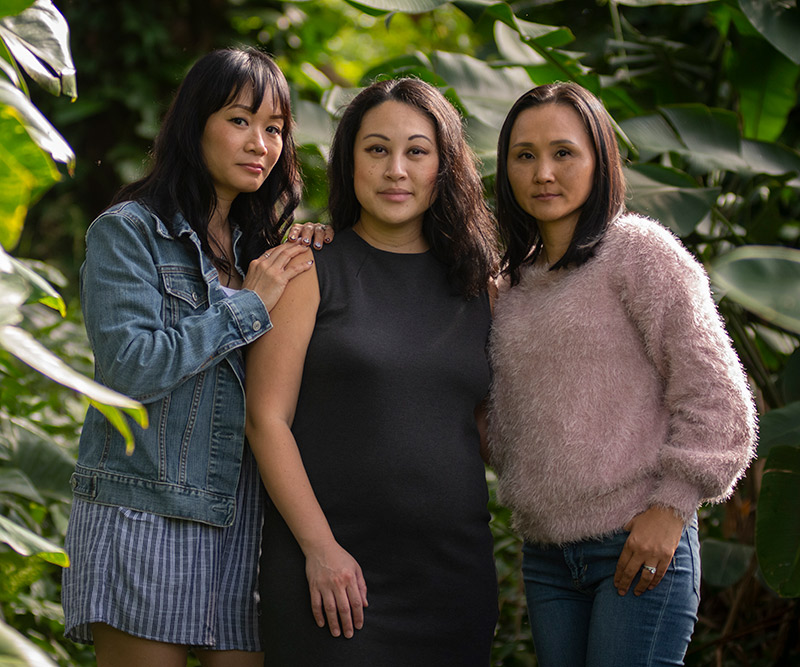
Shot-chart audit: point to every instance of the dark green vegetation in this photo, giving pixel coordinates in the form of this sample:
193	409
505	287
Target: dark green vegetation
706	97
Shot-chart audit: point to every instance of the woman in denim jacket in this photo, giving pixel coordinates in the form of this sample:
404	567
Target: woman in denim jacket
164	541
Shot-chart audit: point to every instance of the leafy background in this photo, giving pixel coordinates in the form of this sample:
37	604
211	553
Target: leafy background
706	99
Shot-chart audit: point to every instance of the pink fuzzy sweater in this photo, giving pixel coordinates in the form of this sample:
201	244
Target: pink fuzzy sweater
615	388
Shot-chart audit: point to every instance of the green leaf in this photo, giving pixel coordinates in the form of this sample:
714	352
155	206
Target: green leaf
16	482
11	7
41	291
669	196
771	158
651	3
765	81
778	522
44	463
778	22
652	136
790	382
710	135
405	6
763	279
314	125
13	292
779	427
28	543
724	563
485	92
39	39
22	345
16	650
39	128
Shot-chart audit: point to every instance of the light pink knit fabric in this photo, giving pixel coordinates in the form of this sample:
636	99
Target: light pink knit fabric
615	388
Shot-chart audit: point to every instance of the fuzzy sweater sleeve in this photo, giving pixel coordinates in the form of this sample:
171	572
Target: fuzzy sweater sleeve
712	419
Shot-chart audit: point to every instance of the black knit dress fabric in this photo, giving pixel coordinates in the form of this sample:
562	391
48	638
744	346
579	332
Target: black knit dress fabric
385	425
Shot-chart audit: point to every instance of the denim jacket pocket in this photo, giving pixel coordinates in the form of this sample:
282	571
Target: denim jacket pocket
185	293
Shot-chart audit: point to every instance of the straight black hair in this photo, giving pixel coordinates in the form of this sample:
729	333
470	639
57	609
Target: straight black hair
179	180
519	231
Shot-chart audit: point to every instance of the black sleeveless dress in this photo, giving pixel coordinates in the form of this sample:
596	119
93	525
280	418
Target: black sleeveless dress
386	430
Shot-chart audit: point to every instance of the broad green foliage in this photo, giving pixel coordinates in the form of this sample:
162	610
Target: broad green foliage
706	99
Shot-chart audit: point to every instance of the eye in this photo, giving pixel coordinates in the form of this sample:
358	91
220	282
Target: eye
238	120
562	152
275	129
525	155
417	151
378	150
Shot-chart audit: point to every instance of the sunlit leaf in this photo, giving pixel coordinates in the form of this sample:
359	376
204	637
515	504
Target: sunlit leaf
766	93
16	650
40	129
779	427
778	22
39	39
41	291
24	347
28	543
406	6
16	482
778	522
11	7
724	563
669	196
763	279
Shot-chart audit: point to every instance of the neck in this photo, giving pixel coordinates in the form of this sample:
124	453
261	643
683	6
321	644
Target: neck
556	240
405	240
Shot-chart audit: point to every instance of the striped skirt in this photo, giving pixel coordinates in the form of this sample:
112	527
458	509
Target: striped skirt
169	580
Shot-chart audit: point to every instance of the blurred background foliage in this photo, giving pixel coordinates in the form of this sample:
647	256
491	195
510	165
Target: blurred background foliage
706	98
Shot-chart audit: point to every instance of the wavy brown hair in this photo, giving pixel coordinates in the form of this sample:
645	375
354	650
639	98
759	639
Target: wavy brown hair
458	226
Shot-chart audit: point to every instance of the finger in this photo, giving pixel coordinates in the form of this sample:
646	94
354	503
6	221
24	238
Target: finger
316	609
645	578
331	613
356	606
362	589
307	233
296	268
320	235
294	232
345	613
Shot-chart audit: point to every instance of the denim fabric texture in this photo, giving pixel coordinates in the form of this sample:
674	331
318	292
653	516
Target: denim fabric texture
164	333
579	620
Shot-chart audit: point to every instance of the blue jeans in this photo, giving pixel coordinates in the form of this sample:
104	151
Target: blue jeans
579	620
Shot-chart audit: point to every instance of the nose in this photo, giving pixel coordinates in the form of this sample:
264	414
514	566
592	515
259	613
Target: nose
396	167
257	143
543	171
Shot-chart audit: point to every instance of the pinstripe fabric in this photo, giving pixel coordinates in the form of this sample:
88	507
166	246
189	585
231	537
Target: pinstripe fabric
166	579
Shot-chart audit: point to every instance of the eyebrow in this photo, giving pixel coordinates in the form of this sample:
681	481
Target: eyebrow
552	143
385	138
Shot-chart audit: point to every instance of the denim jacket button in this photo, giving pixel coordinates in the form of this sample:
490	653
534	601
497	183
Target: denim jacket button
257	325
194	297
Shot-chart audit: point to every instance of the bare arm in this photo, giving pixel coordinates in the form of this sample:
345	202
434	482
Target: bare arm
274	371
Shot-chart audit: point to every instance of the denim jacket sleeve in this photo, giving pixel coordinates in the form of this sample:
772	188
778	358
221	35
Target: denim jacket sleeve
153	315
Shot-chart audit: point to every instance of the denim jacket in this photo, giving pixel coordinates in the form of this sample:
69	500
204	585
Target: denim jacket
164	333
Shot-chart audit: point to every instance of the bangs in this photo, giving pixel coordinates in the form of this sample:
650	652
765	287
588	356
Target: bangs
260	76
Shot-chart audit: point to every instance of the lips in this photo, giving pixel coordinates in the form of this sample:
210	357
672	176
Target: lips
253	167
395	194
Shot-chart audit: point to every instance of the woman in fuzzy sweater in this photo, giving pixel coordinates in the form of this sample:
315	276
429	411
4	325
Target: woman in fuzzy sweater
618	403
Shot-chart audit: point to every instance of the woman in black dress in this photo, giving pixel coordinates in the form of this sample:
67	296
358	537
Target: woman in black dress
361	405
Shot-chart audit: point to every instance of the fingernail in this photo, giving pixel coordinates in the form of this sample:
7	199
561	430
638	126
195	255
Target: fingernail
317	245
293	237
328	239
306	241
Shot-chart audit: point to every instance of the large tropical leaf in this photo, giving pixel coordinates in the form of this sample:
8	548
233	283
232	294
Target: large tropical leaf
778	21
486	92
778	521
669	196
779	427
25	173
27	543
40	129
763	279
23	346
17	651
764	80
406	6
40	290
11	7
652	135
764	157
711	136
38	37
650	3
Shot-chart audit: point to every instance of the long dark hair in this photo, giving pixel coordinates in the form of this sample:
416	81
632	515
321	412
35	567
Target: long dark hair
458	226
519	230
179	180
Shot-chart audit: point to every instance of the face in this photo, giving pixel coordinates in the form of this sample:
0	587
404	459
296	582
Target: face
551	163
396	160
239	147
